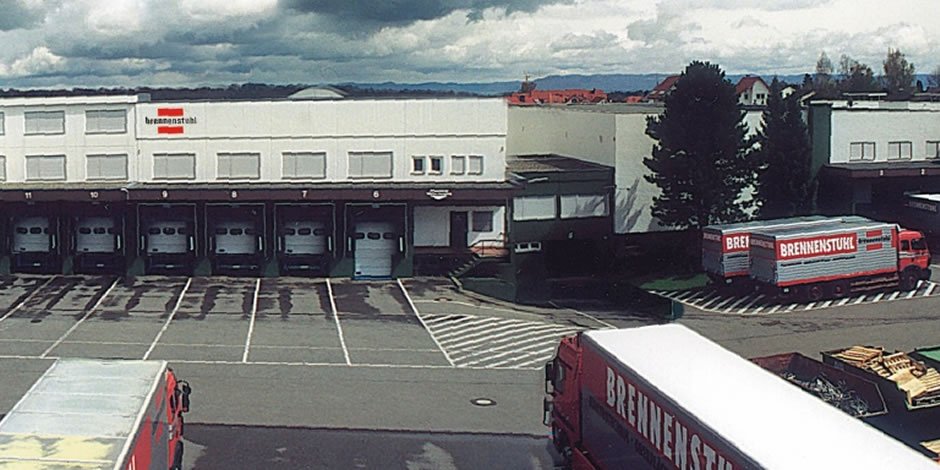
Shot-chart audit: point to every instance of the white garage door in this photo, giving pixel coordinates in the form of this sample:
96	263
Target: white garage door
376	243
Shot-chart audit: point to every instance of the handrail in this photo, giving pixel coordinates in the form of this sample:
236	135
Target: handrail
489	247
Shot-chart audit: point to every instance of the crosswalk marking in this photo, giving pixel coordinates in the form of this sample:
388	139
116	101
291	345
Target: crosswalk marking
711	300
493	342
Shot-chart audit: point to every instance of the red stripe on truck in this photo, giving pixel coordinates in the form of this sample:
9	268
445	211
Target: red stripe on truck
874	246
873	233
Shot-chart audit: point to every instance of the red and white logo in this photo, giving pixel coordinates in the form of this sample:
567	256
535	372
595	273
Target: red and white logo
170	120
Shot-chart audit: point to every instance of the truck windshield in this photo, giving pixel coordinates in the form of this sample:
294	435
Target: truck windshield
918	244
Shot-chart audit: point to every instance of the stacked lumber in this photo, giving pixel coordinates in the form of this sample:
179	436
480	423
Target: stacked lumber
920	384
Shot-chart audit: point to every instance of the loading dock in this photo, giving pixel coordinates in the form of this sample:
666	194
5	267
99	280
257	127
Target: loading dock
235	237
375	238
305	235
98	243
34	243
167	237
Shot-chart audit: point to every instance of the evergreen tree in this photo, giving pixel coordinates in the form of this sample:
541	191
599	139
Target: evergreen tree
699	160
855	76
783	157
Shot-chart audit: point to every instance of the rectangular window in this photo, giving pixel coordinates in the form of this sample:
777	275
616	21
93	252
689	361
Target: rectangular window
370	164
576	206
933	149
2	125
237	166
304	165
106	121
417	165
3	168
533	208
475	166
530	247
106	167
44	122
174	166
899	150
437	165
860	151
458	164
45	167
482	221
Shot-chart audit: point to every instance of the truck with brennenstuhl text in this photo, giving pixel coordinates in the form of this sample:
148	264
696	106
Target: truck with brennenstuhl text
665	397
98	414
837	260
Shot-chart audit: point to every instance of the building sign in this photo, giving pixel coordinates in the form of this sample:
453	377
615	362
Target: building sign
924	206
170	120
439	194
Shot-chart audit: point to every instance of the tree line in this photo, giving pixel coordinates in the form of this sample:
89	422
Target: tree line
897	77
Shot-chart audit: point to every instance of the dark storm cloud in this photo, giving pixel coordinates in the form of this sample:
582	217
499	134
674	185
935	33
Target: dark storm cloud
17	14
397	12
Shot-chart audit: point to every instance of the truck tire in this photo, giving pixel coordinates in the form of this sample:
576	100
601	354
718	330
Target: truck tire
840	289
909	279
178	458
815	293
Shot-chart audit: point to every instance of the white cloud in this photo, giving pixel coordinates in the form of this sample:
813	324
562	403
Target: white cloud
40	61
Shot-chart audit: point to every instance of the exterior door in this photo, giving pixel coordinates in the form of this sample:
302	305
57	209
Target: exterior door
375	244
458	230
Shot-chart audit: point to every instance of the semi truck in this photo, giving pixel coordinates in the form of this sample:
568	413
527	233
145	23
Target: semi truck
663	396
836	260
98	414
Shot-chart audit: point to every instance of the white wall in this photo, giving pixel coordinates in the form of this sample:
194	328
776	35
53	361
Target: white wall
405	127
432	224
882	126
75	144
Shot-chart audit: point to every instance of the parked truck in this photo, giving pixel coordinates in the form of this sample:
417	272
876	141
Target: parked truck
98	414
836	260
663	396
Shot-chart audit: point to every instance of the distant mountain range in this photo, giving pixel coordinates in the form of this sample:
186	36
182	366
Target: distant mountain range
606	82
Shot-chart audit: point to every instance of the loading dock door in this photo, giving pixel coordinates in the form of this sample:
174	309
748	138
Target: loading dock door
376	243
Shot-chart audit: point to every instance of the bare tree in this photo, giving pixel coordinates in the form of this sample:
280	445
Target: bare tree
899	74
934	78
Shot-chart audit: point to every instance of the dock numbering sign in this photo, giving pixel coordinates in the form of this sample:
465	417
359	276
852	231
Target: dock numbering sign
170	120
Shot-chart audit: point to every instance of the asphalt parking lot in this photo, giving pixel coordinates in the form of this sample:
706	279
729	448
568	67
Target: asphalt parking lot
281	321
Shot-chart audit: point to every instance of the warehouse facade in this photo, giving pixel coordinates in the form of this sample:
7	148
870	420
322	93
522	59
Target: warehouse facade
362	188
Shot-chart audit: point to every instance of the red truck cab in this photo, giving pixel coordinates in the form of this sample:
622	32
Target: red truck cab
913	250
562	403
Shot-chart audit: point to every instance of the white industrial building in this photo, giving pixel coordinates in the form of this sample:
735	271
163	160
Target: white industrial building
235	185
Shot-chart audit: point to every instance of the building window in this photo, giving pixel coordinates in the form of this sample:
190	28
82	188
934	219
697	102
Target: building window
583	205
106	167
303	165
2	125
3	168
899	150
482	221
239	166
417	165
45	167
533	208
933	149
437	165
370	164
475	165
458	164
106	121
530	247
44	122
859	151
174	166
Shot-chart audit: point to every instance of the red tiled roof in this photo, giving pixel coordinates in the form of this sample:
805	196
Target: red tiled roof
747	82
558	96
664	86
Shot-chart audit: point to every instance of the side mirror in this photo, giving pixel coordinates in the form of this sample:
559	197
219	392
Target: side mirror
184	386
549	376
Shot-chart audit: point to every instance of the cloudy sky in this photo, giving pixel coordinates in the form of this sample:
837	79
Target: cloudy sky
47	43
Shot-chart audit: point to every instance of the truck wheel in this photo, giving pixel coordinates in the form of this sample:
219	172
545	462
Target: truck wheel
909	280
814	293
840	289
178	458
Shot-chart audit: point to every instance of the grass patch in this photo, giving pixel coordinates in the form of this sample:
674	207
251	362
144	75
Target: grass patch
672	282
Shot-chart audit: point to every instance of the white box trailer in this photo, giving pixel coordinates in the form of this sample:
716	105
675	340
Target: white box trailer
725	248
97	414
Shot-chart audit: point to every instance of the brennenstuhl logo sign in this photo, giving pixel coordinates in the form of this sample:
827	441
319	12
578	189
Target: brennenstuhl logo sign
169	120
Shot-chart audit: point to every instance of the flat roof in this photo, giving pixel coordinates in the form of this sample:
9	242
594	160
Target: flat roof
926	197
778	425
550	163
606	108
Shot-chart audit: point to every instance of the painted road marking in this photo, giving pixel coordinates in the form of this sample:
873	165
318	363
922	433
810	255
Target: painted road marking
339	327
26	298
176	307
251	324
585	315
425	325
79	322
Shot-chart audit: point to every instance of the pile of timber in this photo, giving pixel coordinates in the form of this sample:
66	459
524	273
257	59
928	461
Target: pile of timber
921	384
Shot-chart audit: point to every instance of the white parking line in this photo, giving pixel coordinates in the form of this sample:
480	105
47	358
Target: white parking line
738	302
705	300
843	301
481	326
543	354
894	295
722	304
176	307
339	327
859	300
749	305
930	288
826	304
78	323
602	322
683	295
26	299
251	324
418	315
434	321
540	330
541	344
910	294
878	297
